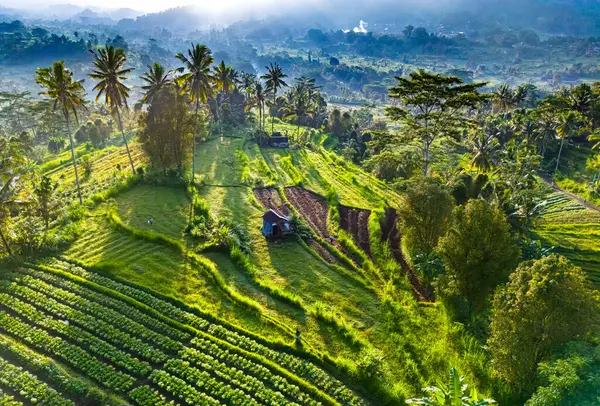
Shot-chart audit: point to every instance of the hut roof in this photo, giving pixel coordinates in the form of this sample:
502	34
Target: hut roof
272	216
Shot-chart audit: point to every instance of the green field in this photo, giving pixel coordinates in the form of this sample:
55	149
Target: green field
186	315
574	231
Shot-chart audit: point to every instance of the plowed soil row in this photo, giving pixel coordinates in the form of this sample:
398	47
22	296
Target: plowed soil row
271	199
391	233
356	222
314	209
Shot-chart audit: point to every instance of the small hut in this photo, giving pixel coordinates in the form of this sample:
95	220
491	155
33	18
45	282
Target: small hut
275	225
279	142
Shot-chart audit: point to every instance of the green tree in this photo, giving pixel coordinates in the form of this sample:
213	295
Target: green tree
570	378
110	72
258	99
545	304
197	83
44	193
453	394
433	106
424	212
167	129
68	95
478	251
485	147
155	78
567	125
274	80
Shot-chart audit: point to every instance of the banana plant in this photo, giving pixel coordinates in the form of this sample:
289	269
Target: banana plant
452	394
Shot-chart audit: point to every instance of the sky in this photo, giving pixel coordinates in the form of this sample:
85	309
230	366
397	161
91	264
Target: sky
144	5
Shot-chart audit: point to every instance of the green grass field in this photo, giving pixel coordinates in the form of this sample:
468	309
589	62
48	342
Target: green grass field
574	231
284	286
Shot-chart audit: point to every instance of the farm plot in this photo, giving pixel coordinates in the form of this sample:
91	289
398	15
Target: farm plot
145	348
573	230
356	222
391	233
271	199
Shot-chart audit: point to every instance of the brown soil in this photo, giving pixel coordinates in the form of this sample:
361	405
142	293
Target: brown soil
392	234
356	222
270	199
312	207
322	251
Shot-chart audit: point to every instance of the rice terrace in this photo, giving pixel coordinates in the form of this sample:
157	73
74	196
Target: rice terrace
243	207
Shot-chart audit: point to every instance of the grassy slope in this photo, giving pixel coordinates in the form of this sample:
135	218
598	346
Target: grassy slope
578	167
231	168
574	231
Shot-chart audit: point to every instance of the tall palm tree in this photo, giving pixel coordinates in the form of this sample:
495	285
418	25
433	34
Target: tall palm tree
67	94
485	146
156	79
110	72
197	82
504	98
225	78
274	79
247	81
298	105
257	100
567	125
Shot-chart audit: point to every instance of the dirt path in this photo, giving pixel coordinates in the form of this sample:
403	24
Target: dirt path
356	222
392	234
548	180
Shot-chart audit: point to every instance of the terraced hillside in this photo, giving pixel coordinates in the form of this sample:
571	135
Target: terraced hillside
573	230
139	347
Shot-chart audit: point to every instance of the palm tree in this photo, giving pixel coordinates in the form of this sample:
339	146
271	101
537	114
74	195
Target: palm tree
156	79
247	80
197	82
67	95
503	98
485	145
225	78
258	100
274	79
110	72
298	105
567	125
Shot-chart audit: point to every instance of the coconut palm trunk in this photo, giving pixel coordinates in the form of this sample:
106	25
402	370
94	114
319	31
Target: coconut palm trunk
194	141
73	156
562	141
125	140
273	111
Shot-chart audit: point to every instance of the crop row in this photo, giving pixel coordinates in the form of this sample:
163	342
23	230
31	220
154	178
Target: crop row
180	389
29	386
250	368
77	335
90	323
298	366
7	400
241	375
75	387
146	396
203	381
146	324
71	354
